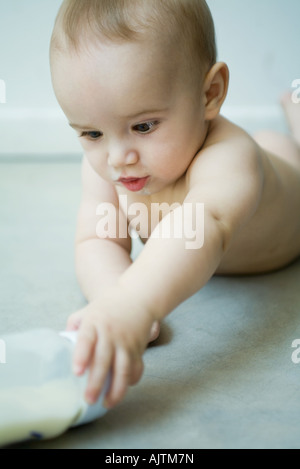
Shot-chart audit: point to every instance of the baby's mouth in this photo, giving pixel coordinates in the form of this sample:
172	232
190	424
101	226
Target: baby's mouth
134	184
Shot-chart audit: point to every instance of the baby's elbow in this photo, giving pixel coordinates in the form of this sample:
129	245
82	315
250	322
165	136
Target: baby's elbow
219	231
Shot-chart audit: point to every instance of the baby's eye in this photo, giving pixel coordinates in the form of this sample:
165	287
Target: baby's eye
92	135
145	127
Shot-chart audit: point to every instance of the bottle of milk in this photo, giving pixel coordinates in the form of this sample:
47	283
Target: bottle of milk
40	397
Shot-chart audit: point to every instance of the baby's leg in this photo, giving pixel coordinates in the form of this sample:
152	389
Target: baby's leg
285	146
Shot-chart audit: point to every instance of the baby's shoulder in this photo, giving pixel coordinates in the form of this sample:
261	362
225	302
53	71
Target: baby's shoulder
227	150
225	135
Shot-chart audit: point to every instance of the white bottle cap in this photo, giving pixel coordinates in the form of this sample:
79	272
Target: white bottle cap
71	335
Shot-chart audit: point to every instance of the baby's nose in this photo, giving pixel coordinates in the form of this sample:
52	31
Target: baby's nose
119	157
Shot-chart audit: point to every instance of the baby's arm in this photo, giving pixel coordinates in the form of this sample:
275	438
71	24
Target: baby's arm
115	333
167	271
99	261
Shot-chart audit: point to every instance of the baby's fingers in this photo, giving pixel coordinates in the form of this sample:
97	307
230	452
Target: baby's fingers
86	340
126	372
99	369
74	321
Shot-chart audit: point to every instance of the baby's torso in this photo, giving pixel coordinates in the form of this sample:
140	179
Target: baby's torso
271	239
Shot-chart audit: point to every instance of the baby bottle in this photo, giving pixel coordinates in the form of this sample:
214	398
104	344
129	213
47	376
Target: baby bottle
40	397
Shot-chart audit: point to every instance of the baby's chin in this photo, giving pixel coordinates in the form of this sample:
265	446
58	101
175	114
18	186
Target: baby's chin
155	187
145	191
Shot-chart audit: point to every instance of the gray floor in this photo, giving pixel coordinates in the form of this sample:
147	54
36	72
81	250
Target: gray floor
221	374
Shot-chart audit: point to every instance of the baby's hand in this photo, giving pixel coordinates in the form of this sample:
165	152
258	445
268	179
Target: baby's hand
113	333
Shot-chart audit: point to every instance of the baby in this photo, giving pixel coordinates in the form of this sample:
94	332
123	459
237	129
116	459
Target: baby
139	82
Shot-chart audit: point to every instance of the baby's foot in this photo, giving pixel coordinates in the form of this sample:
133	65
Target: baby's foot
292	113
155	330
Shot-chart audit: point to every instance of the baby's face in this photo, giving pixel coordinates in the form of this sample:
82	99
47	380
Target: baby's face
138	122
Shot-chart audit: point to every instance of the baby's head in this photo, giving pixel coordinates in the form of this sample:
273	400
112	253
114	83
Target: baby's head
184	26
138	80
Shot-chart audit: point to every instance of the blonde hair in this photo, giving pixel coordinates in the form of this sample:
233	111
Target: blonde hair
188	24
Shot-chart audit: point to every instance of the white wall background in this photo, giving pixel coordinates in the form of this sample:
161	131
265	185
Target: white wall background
259	39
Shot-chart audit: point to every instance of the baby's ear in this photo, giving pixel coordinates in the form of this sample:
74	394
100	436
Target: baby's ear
215	89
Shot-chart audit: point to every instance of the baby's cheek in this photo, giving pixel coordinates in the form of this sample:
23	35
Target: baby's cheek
97	163
173	168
